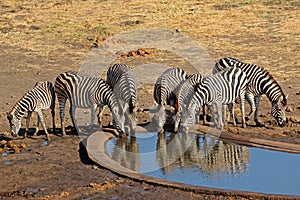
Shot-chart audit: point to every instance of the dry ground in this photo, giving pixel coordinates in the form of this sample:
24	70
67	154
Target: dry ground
40	39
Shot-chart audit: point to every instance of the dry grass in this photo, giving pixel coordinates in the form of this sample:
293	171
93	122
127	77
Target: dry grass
262	32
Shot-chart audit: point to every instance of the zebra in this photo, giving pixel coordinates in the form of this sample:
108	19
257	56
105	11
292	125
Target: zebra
86	92
220	89
39	98
185	93
165	90
260	82
120	78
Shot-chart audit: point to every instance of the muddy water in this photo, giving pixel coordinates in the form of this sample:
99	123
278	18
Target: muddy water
206	161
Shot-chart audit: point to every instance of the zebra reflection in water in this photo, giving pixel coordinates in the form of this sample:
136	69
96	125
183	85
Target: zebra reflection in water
211	156
126	153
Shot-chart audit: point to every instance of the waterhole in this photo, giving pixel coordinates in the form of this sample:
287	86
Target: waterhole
207	161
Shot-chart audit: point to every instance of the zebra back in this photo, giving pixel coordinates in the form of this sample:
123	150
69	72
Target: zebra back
166	86
81	90
122	81
225	86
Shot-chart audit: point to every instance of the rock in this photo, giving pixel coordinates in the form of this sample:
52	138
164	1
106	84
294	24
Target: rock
103	186
132	53
294	119
16	149
9	144
23	145
64	194
289	109
3	142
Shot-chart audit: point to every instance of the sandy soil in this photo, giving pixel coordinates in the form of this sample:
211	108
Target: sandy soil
39	40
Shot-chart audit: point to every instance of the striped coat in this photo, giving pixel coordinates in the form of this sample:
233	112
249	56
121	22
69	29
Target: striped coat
122	81
86	92
40	97
260	82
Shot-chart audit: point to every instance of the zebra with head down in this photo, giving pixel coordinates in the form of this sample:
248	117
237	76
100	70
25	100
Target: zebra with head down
260	82
220	89
39	98
165	92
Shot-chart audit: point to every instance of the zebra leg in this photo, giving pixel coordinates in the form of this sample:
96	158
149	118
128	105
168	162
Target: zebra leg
224	113
41	118
37	125
257	100
231	113
99	115
177	121
220	115
133	119
27	123
204	114
250	99
62	104
72	114
53	115
161	118
93	113
242	107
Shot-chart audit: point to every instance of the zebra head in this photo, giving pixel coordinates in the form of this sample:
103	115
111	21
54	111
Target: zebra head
278	110
188	117
14	123
119	119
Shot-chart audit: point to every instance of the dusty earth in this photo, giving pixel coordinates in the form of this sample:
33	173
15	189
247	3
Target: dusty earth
40	39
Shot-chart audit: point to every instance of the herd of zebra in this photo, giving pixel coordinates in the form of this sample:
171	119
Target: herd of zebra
184	93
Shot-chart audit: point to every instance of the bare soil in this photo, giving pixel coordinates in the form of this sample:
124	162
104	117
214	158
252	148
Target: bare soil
40	39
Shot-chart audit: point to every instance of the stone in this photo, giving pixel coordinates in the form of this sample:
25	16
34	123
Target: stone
289	109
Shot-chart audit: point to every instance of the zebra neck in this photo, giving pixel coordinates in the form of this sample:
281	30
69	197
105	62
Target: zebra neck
271	89
19	110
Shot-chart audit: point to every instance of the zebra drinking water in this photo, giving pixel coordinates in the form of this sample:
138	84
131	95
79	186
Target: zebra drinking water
260	82
86	92
165	90
39	98
220	89
122	81
185	93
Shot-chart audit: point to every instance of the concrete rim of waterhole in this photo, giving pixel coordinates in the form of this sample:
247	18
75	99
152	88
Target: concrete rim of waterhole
96	150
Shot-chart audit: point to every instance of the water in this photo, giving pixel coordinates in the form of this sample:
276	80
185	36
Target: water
206	161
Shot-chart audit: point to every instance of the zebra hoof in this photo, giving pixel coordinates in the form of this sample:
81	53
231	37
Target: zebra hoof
258	124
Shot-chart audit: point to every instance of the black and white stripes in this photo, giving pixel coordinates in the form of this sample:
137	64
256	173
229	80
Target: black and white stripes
260	82
220	89
40	98
165	91
122	81
86	92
